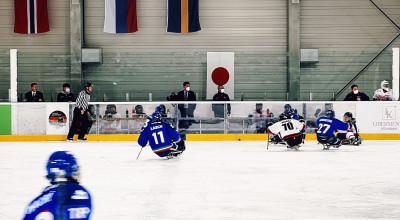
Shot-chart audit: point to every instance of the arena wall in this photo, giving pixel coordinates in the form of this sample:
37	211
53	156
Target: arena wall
348	35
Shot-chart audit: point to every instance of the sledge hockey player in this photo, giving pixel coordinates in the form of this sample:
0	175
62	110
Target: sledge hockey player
384	93
64	198
350	136
289	130
164	140
327	125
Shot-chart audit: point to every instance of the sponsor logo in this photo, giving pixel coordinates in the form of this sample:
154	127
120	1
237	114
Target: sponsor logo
80	194
79	213
39	202
58	119
389	113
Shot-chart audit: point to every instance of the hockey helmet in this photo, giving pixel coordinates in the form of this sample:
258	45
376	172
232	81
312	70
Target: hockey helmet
160	109
139	109
62	164
385	85
156	117
283	116
330	114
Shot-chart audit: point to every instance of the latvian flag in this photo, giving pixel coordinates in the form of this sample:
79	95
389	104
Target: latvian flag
31	17
183	16
120	16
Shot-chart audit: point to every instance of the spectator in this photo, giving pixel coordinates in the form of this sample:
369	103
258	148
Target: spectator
355	95
186	109
139	112
384	93
65	95
172	97
34	95
80	120
219	108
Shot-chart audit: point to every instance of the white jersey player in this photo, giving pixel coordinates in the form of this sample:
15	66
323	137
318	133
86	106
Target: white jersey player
384	93
351	135
288	130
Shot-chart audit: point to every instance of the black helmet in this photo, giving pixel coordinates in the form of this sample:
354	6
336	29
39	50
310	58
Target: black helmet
88	84
348	114
283	116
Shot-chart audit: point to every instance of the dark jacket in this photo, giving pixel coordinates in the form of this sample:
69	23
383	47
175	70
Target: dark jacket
353	97
62	97
219	108
191	96
30	98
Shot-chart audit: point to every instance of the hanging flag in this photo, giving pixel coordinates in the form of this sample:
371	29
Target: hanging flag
183	16
31	17
120	16
220	72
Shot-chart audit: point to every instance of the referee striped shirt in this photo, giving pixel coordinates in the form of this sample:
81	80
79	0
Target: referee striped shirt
82	102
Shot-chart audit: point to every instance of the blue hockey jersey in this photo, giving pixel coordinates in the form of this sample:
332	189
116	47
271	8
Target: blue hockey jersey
327	126
61	201
160	136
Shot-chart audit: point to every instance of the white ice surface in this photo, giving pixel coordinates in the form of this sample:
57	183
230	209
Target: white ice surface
215	180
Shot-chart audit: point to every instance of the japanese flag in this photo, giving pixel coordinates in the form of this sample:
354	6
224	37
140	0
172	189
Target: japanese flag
220	71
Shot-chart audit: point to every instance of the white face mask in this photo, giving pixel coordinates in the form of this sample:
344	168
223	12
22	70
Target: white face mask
356	92
67	90
188	89
222	90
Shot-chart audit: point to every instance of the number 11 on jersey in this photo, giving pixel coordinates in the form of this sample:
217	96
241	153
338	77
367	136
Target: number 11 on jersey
160	133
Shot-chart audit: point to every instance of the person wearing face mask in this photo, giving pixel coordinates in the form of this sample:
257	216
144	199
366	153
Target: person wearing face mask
384	93
219	108
186	109
356	95
65	95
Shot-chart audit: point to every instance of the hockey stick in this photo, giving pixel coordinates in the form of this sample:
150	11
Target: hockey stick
268	141
139	153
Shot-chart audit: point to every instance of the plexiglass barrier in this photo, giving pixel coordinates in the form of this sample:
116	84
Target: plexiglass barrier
206	117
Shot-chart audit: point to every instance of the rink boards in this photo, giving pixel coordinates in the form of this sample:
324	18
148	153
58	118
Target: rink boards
50	121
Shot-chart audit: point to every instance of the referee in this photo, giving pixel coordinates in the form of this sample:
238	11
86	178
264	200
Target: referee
81	114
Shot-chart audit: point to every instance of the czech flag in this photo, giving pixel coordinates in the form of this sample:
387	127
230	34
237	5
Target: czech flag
183	16
31	16
120	16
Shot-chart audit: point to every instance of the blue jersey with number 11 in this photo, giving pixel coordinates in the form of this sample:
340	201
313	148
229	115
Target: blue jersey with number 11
327	126
160	136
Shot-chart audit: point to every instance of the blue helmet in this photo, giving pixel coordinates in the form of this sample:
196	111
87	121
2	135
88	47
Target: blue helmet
62	164
156	117
330	114
160	109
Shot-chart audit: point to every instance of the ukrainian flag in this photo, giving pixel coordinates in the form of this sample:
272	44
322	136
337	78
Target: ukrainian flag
183	16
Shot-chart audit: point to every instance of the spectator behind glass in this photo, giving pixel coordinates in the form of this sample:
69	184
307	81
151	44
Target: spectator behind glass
355	95
384	93
186	109
34	95
219	108
65	95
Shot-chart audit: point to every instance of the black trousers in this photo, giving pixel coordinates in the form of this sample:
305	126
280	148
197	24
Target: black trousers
79	122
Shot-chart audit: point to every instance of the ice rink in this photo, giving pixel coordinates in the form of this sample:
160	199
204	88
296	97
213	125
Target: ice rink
215	180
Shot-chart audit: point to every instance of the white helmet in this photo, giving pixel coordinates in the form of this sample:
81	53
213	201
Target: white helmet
385	85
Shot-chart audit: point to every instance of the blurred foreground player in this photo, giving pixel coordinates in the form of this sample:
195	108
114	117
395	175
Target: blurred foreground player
164	140
351	135
289	130
64	199
327	125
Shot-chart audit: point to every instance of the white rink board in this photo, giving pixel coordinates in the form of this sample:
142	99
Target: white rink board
382	118
215	180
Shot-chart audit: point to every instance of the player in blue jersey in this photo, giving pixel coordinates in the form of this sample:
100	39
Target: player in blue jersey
327	125
64	199
164	140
